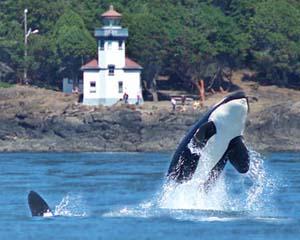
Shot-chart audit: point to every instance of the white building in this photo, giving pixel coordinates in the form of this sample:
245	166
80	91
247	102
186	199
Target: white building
108	78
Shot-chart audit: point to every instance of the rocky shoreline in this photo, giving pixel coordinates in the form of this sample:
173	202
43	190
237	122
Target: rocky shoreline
40	120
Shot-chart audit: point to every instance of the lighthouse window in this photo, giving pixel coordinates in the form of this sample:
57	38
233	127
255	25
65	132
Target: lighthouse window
92	87
111	70
93	84
120	45
101	45
120	87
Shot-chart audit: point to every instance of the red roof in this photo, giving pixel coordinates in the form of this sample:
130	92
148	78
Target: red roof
129	64
90	64
111	13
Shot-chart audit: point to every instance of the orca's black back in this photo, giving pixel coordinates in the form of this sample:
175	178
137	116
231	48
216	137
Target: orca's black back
37	204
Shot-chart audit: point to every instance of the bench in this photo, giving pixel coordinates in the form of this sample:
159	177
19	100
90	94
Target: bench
188	100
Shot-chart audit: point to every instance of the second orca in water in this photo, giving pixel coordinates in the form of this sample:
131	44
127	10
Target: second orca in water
218	134
38	205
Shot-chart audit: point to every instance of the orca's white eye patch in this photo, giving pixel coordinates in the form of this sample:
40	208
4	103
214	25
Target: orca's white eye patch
48	214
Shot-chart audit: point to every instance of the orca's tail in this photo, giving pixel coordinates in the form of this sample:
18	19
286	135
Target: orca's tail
38	206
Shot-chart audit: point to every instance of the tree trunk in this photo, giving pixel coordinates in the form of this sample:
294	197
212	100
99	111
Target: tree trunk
201	89
153	88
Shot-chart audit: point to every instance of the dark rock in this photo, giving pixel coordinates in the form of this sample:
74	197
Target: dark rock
88	118
21	115
97	117
276	128
30	123
189	122
4	135
104	126
59	133
124	129
83	128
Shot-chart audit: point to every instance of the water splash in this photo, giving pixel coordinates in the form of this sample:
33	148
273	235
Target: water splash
232	191
143	210
234	196
190	196
259	194
70	206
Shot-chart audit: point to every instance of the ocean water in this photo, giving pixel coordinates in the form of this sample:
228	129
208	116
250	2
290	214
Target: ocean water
125	196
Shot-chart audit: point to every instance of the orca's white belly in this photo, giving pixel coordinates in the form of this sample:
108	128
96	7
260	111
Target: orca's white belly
229	120
210	156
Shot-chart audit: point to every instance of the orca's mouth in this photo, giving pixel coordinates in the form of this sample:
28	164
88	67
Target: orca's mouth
238	95
245	102
234	96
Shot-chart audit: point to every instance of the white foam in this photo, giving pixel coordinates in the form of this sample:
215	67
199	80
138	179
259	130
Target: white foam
143	210
71	205
190	196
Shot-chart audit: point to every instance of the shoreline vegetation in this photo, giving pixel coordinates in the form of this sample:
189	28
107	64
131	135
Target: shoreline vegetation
39	120
195	43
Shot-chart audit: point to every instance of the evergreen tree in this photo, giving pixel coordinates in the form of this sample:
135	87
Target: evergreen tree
74	44
275	31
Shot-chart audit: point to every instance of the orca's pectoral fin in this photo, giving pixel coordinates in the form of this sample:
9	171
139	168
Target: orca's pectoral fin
215	173
184	168
238	155
184	162
204	133
38	206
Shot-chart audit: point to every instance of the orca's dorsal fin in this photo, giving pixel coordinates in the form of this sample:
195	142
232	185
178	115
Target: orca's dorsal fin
38	206
204	133
238	154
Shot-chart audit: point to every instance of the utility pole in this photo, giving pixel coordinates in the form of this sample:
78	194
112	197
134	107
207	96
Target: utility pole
26	35
25	46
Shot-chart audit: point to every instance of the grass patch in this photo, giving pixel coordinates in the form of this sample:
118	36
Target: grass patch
6	85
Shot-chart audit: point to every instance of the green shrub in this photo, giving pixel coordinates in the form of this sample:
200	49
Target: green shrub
5	85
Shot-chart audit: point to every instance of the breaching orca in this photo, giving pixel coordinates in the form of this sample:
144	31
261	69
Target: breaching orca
218	132
38	206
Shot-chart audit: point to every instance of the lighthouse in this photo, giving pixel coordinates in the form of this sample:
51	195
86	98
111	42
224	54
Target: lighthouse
112	75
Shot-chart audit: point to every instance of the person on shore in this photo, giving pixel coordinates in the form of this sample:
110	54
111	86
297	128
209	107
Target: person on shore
183	98
173	102
75	90
125	98
138	99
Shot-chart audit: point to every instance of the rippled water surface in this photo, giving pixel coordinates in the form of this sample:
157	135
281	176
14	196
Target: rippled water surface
124	196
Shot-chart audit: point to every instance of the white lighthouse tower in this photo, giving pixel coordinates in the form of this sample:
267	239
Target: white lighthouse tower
107	79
